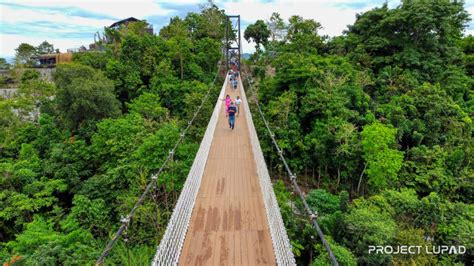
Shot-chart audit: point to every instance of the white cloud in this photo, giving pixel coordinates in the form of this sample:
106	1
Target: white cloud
47	12
45	25
332	17
113	8
12	15
182	1
9	42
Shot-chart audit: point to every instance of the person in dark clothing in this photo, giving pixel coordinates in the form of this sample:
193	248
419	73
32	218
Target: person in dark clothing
232	111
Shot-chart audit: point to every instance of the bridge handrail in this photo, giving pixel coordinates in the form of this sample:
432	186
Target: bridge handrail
169	250
281	244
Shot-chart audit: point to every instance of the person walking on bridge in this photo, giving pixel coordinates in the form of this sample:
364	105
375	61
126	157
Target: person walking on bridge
238	101
227	102
232	110
234	83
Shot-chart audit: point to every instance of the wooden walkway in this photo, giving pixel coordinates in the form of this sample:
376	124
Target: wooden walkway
228	224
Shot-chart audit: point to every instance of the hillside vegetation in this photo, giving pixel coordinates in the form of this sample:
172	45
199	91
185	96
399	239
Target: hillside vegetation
376	123
67	178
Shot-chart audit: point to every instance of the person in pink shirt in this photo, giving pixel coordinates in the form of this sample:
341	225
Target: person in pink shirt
227	101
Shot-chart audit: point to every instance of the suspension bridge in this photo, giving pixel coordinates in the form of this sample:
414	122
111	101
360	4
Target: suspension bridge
227	212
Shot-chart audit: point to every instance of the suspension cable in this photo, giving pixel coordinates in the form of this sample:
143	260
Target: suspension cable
154	178
312	215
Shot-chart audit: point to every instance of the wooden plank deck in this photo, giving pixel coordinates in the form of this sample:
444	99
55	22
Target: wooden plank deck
228	224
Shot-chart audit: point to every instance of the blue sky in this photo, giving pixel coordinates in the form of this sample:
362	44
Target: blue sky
70	24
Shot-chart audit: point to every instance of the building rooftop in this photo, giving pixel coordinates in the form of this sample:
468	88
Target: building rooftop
124	21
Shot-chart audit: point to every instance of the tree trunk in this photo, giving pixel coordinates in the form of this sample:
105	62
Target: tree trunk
306	175
166	198
319	176
360	178
181	64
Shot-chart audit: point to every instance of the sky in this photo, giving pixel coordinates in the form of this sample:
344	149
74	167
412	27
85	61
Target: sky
72	23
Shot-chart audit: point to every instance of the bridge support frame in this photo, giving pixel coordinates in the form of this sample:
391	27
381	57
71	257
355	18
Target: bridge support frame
233	46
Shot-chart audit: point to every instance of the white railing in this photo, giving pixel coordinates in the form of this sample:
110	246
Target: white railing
169	250
281	243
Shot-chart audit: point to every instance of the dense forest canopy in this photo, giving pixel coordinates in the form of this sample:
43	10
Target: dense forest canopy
69	176
376	123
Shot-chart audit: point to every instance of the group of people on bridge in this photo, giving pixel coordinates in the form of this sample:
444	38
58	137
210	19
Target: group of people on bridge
232	107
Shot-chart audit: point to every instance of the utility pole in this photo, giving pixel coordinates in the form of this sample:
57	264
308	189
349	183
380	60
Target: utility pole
232	41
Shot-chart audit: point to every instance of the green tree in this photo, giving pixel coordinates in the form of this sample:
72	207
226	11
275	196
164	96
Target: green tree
83	94
35	89
330	209
126	79
467	45
324	202
89	215
93	59
29	74
420	36
24	191
414	237
115	139
41	244
179	52
207	53
70	160
258	33
343	255
45	48
4	64
383	162
319	100
178	44
277	27
209	23
303	35
427	115
148	105
24	55
369	225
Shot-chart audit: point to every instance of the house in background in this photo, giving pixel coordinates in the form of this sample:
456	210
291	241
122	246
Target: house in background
125	22
100	41
51	60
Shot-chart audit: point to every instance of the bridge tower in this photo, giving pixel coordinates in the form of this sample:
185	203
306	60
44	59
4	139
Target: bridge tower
232	42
